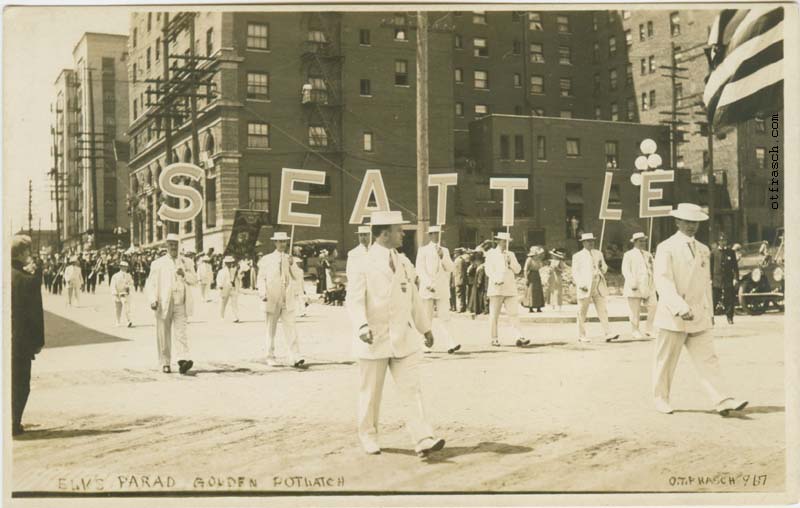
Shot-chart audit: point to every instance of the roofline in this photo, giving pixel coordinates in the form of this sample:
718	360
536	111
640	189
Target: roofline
101	34
569	119
63	71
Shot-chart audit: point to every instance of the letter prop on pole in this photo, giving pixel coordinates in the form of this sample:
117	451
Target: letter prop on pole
509	186
291	196
372	185
648	194
173	190
442	181
607	213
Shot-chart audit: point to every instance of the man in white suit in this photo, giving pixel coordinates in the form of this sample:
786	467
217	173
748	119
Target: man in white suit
685	310
73	280
434	268
277	284
359	251
502	268
121	287
229	282
588	271
168	290
205	274
639	288
388	317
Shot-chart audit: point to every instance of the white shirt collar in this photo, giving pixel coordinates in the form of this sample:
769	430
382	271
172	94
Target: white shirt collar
684	237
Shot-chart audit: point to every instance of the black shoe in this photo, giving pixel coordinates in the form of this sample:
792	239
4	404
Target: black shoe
17	430
454	349
166	369
300	364
184	366
730	320
522	342
130	325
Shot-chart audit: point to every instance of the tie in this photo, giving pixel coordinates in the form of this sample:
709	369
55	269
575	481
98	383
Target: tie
391	260
691	246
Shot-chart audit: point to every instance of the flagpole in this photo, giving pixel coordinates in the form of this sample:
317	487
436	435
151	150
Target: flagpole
291	241
602	234
650	235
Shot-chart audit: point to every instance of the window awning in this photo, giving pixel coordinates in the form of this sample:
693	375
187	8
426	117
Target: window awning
574	198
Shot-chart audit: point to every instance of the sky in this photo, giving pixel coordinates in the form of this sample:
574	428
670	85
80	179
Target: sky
37	44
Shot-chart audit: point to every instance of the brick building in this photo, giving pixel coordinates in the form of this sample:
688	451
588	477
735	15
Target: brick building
95	90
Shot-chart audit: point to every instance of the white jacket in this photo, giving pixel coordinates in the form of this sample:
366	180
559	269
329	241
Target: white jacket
389	303
121	285
205	274
226	283
73	276
501	266
353	257
683	282
278	281
162	279
434	272
587	268
637	268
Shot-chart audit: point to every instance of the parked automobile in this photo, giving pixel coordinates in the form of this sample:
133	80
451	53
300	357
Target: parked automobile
762	276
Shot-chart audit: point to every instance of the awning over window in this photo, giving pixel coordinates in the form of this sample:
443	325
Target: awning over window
574	198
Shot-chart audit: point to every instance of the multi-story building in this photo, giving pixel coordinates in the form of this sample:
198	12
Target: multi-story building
90	118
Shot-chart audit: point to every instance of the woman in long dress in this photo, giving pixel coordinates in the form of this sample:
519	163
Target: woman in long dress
534	294
555	289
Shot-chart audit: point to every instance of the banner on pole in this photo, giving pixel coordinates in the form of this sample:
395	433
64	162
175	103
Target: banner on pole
291	196
372	185
442	181
509	186
180	191
607	213
246	226
648	194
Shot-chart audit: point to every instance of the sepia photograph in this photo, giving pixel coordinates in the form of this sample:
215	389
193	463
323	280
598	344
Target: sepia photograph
399	255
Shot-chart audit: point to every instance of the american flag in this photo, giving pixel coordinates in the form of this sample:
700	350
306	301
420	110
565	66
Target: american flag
745	59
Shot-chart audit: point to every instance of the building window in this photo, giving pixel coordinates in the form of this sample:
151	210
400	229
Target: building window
516	16
535	21
628	39
651	64
481	80
134	37
135	109
674	24
149	21
519	148
594	22
479	17
614	112
505	149
258	85
537	53
649	29
258	192
760	124
481	109
629	74
367	141
643	64
158	49
516	47
364	37
706	159
612	46
612	79
458	74
630	109
565	87
257	36
135	73
480	47
257	135
598	113
652	98
573	147
678	91
211	202
614	195
541	148
517	80
596	84
400	19
209	41
564	55
458	41
596	52
365	88
147	59
401	72
626	14
317	135
761	157
537	84
644	101
565	113
316	36
459	109
611	155
641	32
562	23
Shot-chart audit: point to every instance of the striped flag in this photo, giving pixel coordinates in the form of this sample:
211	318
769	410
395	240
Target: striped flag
745	59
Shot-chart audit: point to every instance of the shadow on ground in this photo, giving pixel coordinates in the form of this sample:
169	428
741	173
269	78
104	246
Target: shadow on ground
33	435
62	332
457	451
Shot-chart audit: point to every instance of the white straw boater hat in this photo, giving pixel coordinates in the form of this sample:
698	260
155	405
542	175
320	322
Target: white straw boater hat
638	236
229	259
387	218
587	236
280	235
123	263
502	235
363	230
690	212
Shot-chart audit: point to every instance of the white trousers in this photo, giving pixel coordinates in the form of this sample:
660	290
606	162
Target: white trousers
288	319
701	349
122	305
635	307
511	303
72	295
231	297
204	289
173	325
405	372
439	311
600	307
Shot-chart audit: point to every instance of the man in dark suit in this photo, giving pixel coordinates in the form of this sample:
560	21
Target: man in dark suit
460	279
27	325
724	277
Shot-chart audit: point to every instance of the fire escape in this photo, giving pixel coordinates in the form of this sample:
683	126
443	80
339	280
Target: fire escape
321	92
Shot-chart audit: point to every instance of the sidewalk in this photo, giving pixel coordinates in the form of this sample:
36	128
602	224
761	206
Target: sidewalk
617	311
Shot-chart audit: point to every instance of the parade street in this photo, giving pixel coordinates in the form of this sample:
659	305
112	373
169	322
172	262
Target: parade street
555	416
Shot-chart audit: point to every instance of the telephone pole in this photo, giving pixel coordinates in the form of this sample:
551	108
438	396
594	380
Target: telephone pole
93	157
423	162
192	64
30	208
57	182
